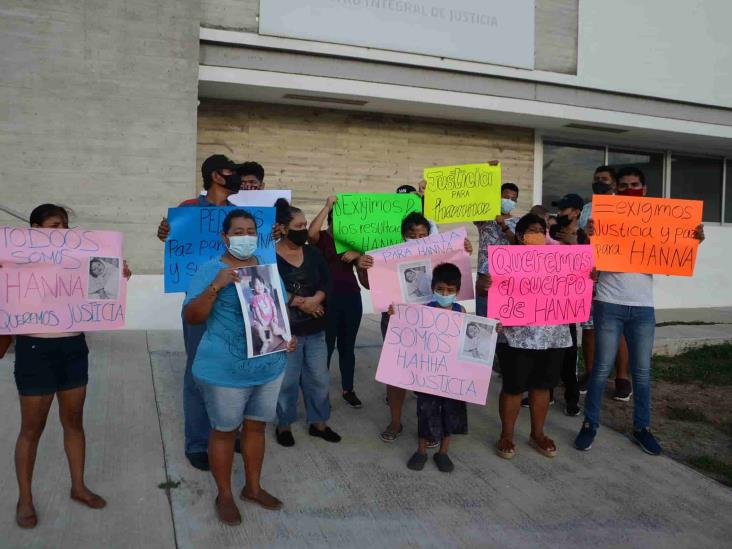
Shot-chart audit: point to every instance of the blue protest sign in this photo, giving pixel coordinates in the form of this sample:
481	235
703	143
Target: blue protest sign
195	237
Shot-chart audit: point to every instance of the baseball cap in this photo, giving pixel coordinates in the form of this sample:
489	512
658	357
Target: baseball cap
569	201
214	163
406	189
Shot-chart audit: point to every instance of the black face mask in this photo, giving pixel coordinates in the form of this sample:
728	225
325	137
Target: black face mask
563	220
600	187
298	238
232	182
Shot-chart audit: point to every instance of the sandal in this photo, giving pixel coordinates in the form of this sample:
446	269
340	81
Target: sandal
387	435
545	446
264	499
505	449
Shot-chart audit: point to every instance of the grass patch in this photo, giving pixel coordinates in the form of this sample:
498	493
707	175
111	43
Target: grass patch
686	414
169	485
713	466
711	365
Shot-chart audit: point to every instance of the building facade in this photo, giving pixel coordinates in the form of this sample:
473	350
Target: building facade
110	107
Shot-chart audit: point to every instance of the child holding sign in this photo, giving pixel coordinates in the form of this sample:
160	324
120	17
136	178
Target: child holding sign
439	417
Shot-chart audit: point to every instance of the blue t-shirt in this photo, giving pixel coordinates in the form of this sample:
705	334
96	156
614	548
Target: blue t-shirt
221	358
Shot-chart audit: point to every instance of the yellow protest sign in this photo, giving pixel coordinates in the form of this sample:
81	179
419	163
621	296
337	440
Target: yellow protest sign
469	192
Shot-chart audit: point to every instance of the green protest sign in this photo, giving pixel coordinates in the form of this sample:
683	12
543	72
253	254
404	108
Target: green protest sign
367	221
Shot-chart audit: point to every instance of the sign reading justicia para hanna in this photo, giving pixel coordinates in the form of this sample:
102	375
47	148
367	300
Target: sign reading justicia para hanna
489	31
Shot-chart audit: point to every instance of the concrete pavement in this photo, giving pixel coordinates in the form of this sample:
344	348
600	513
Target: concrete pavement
358	493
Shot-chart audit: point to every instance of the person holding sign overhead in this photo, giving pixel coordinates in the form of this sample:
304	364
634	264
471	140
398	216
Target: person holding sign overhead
220	180
238	392
624	306
52	365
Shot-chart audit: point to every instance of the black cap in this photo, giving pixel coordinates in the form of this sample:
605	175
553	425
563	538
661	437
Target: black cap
214	163
406	189
569	201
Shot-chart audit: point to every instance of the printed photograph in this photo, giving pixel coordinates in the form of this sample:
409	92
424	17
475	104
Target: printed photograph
415	281
478	340
104	275
265	313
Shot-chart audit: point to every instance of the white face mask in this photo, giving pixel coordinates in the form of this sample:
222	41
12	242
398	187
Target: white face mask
507	205
242	247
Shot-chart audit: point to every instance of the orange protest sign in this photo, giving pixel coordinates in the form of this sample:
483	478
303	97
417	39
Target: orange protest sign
645	235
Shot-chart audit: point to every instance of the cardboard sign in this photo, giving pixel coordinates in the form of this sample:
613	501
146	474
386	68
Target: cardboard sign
540	285
439	352
61	280
455	194
365	221
645	235
195	237
259	199
403	273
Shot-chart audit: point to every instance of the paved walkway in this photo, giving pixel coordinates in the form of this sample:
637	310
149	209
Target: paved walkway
354	494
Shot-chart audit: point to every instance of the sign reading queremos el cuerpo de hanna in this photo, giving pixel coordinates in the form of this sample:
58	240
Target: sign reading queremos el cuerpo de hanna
488	31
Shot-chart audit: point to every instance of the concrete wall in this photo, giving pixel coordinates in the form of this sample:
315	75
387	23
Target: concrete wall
555	32
99	112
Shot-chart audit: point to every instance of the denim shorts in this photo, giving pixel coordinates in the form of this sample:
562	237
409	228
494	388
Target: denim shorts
228	407
47	365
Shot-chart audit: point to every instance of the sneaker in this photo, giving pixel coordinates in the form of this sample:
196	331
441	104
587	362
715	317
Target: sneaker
417	461
199	460
585	437
623	390
646	441
584	378
525	402
352	400
284	438
443	462
572	410
326	434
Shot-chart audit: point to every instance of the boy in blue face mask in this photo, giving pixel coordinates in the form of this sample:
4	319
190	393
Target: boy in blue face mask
438	417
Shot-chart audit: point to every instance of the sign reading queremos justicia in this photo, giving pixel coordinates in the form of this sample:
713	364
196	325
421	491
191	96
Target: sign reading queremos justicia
490	31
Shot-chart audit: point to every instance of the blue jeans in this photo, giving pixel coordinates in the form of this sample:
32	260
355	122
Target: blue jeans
638	324
197	425
307	367
481	305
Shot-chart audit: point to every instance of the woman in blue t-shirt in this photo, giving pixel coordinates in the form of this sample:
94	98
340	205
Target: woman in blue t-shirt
237	390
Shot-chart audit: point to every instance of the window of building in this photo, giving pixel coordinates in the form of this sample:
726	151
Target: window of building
651	164
569	169
698	178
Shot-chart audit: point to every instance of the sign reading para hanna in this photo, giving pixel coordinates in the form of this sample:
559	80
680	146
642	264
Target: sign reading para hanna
438	351
645	235
364	221
455	194
540	285
195	237
403	273
61	280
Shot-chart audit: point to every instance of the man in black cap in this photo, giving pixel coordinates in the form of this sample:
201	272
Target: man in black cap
220	179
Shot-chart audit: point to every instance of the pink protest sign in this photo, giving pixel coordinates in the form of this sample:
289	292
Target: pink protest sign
439	352
403	273
60	280
540	285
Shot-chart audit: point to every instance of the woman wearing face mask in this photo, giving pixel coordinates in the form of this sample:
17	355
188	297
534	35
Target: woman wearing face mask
308	283
237	391
531	362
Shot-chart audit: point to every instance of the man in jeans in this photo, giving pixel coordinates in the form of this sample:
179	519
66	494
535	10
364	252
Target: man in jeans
624	306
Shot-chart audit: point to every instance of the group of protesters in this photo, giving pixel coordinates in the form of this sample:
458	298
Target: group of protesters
228	398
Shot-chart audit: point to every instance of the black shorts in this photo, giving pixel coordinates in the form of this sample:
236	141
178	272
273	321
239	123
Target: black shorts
384	324
44	366
525	369
439	417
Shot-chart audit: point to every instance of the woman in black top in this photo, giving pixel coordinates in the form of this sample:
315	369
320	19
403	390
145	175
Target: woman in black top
307	281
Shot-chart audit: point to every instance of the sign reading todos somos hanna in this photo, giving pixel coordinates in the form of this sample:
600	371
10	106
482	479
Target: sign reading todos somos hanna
438	351
365	221
645	235
403	273
540	285
195	237
455	194
61	280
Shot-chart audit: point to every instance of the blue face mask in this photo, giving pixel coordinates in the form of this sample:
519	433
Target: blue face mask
242	247
507	205
444	300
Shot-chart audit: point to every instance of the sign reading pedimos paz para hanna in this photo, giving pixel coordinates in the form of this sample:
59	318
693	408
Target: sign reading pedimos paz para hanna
487	31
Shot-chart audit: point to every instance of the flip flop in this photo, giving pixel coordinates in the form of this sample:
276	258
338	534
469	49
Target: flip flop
95	502
388	435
